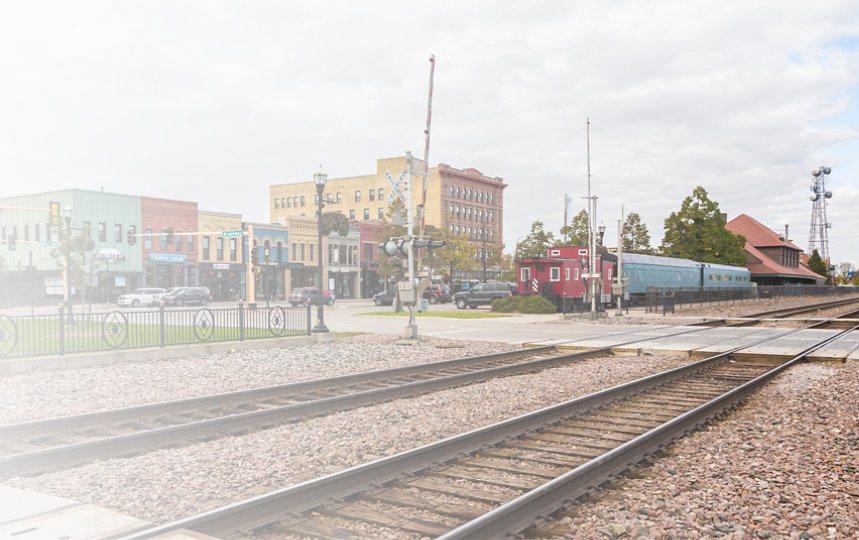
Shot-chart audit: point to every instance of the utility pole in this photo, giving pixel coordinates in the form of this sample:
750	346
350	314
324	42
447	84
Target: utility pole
412	328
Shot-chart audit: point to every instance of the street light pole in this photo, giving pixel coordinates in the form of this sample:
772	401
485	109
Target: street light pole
319	179
67	214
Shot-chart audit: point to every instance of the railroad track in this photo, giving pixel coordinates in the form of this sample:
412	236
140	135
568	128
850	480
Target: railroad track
44	445
790	312
499	479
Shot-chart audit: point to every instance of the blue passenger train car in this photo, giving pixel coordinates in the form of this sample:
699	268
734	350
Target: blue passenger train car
647	272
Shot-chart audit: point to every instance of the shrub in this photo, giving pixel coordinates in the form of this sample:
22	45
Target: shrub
523	304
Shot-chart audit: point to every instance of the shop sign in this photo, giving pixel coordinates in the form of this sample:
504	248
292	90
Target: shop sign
167	258
221	266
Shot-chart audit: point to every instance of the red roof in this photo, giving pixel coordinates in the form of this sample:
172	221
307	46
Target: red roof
759	236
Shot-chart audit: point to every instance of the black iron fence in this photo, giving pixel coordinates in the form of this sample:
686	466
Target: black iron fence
665	299
63	333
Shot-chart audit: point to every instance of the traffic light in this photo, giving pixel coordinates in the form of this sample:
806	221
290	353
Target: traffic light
427	243
11	241
129	236
170	235
391	246
254	255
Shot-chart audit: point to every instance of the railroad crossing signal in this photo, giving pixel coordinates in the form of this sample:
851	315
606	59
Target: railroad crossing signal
395	187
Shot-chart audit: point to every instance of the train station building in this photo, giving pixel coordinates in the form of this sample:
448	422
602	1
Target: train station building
771	259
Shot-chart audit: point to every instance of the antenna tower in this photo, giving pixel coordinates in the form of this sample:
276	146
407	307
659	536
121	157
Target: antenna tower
818	233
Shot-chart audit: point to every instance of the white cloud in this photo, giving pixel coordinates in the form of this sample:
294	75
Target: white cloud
215	101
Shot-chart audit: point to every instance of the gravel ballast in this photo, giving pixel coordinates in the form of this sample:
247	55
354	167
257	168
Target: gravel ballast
783	465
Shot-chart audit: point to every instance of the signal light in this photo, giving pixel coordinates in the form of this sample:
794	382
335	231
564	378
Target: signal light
11	242
254	256
130	237
427	243
170	235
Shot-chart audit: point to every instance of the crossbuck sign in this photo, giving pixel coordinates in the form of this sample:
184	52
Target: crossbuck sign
395	187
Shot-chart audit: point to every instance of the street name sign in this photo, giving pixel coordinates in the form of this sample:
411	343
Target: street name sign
228	234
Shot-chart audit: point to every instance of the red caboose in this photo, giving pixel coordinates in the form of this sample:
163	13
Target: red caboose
561	277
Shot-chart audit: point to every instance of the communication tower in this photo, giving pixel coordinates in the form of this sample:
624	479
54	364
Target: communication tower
818	233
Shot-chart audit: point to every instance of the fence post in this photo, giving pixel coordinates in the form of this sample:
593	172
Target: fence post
241	321
309	323
161	323
61	317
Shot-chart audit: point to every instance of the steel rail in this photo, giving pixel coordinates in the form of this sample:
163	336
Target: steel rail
47	459
264	509
520	513
796	310
129	444
50	426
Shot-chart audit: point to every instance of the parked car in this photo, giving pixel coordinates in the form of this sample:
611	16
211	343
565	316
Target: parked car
183	296
384	298
309	295
141	297
481	294
437	294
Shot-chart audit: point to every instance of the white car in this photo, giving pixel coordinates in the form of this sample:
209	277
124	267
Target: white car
141	297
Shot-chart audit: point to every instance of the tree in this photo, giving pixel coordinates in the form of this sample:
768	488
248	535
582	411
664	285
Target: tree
536	244
82	262
576	233
490	254
636	238
817	265
697	231
846	273
457	254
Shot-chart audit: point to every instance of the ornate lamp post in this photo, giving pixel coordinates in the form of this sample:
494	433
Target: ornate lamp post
264	279
319	179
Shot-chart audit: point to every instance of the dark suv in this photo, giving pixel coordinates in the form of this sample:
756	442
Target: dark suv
181	296
309	295
437	294
481	294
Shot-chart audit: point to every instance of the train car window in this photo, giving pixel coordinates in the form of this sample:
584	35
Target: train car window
577	275
566	274
526	274
554	274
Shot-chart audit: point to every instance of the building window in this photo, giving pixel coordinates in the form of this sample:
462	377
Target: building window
233	244
289	203
339	197
457	229
294	252
526	274
276	203
372	194
162	242
554	274
206	246
451	190
302	200
357	196
381	213
457	211
147	240
451	209
178	240
457	192
310	249
102	232
283	202
26	233
352	214
219	248
117	233
381	193
367	213
302	252
576	276
566	274
295	202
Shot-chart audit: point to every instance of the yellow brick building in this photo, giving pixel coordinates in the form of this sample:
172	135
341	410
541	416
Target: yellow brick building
220	264
465	201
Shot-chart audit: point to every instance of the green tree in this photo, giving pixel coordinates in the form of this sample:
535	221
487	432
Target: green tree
392	268
489	256
636	238
817	265
457	254
697	231
81	260
536	244
843	270
576	233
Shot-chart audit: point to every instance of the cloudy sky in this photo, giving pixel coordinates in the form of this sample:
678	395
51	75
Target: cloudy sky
215	101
